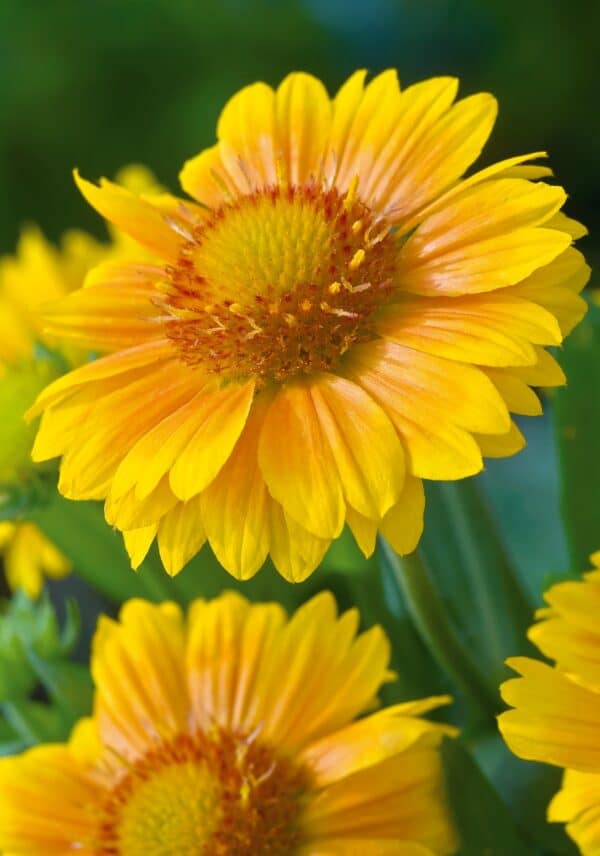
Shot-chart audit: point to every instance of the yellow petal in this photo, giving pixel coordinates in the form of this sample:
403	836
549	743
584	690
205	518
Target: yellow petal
519	397
439	147
303	119
501	445
363	120
365	743
222	415
35	778
331	674
494	329
364	444
120	363
229	645
294	551
206	179
344	107
556	287
578	805
115	423
508	168
402	526
545	372
154	454
357	807
137	666
246	131
555	720
127	511
235	506
364	531
486	239
433	403
114	313
138	542
133	215
301	472
180	535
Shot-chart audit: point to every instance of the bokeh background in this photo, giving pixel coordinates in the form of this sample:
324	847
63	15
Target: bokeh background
102	83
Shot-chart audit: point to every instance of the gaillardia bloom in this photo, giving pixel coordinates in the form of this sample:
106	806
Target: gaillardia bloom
338	316
29	557
556	716
233	733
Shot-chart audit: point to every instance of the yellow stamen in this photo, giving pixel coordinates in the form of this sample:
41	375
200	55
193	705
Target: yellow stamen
357	259
351	194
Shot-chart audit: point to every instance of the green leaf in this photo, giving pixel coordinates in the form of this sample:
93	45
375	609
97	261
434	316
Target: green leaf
430	616
577	426
97	552
484	823
19	499
34	722
526	788
69	686
471	569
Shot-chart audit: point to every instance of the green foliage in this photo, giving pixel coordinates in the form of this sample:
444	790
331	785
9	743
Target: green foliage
485	825
34	662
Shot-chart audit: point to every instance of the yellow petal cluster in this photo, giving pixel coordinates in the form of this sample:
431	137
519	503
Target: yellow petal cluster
556	715
337	314
235	730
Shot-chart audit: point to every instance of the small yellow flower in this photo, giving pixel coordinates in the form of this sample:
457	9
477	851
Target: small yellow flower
29	557
556	716
234	732
338	315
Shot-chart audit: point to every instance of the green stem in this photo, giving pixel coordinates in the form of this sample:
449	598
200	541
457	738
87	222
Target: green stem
431	619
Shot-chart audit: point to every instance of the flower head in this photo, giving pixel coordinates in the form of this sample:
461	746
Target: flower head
233	732
556	716
337	315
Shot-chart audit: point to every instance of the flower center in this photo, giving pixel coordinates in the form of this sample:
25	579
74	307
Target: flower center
206	795
279	282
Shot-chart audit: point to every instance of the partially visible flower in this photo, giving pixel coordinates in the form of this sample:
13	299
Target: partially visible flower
29	557
37	275
234	732
337	315
40	273
556	716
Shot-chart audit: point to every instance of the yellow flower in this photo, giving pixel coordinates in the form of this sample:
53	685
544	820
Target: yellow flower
557	708
29	557
338	316
234	732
